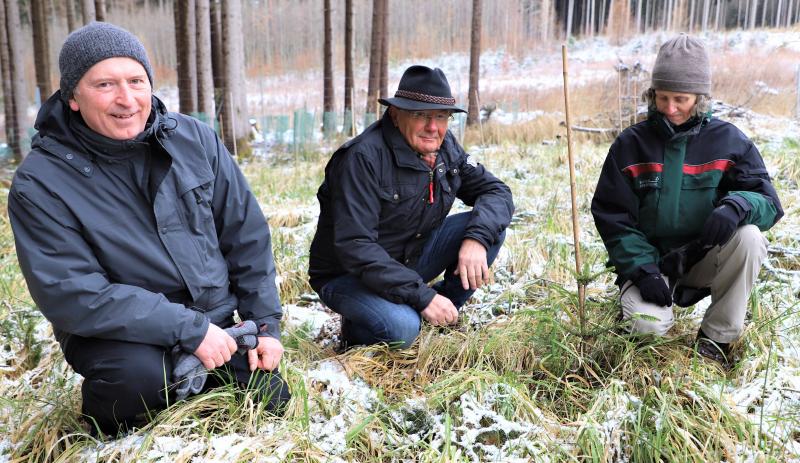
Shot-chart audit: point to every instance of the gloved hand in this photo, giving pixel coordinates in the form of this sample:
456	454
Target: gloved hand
721	224
654	289
677	263
189	373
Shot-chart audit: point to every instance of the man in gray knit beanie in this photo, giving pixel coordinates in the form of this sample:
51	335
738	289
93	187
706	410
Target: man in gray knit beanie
141	242
93	43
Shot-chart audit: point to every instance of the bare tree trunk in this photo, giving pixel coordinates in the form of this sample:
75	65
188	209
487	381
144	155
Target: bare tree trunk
87	6
100	10
473	110
234	109
374	58
69	6
217	64
544	26
764	14
383	78
778	14
205	72
16	74
5	69
348	57
570	11
639	16
186	53
41	48
328	122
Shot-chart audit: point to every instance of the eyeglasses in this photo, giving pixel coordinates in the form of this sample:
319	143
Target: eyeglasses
438	118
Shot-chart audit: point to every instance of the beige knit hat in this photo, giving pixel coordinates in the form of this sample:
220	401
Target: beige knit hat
682	66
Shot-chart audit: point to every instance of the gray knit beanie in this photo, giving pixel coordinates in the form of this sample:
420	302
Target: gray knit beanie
93	43
682	66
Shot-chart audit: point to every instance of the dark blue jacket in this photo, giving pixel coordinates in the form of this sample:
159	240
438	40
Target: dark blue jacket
107	262
376	215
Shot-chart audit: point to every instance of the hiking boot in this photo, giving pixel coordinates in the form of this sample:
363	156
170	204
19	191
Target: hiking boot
719	352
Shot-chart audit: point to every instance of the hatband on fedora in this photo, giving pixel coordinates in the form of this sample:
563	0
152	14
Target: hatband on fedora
423	88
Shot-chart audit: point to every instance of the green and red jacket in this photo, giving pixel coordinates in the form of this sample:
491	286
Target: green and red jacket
659	185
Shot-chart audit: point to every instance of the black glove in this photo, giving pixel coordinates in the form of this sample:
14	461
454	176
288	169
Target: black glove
654	289
721	224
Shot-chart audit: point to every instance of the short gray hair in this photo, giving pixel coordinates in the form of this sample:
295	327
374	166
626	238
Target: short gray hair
701	106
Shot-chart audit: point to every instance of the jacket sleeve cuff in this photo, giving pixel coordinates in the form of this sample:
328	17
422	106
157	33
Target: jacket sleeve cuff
269	327
425	296
194	333
740	203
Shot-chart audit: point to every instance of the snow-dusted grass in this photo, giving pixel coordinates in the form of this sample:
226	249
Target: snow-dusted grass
516	380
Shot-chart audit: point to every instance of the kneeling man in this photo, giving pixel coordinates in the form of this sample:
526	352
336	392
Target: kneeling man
384	229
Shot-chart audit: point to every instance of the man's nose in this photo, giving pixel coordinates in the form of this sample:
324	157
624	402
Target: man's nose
430	124
124	95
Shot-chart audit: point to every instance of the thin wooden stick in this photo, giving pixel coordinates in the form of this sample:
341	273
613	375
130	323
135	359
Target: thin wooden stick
573	193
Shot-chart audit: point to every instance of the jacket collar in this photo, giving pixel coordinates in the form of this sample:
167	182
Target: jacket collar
671	132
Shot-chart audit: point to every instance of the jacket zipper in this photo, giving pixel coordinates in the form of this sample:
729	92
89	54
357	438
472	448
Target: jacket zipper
430	187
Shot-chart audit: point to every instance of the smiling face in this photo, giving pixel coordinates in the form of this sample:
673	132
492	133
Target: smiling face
424	131
676	106
114	98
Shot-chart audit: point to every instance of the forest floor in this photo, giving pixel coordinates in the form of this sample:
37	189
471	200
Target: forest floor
518	379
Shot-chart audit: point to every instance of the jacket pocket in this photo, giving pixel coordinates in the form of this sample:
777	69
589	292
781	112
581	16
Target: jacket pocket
698	196
398	205
648	189
197	213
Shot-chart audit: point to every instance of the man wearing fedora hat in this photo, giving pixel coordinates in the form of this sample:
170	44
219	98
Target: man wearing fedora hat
384	230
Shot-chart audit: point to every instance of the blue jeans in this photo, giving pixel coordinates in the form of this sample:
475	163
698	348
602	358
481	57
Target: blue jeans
367	318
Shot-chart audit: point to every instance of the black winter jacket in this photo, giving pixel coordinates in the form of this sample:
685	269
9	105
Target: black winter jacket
376	215
104	261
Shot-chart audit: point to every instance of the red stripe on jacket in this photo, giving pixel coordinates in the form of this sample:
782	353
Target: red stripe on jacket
719	164
636	170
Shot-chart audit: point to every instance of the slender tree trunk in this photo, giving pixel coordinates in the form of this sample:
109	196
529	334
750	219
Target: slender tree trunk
639	16
234	109
205	72
5	74
383	78
544	25
473	110
217	65
186	53
69	7
764	14
374	58
328	122
100	10
568	22
41	48
87	7
16	72
348	58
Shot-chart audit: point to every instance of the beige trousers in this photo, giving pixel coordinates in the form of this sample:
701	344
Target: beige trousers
729	270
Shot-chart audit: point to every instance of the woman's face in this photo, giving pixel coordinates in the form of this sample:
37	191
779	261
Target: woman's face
676	106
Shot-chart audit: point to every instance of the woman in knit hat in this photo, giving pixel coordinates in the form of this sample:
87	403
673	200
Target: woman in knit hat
681	202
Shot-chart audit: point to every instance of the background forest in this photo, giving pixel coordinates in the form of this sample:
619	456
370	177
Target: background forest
520	378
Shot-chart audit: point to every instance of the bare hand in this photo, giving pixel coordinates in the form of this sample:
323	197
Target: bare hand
216	348
440	312
267	354
472	267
